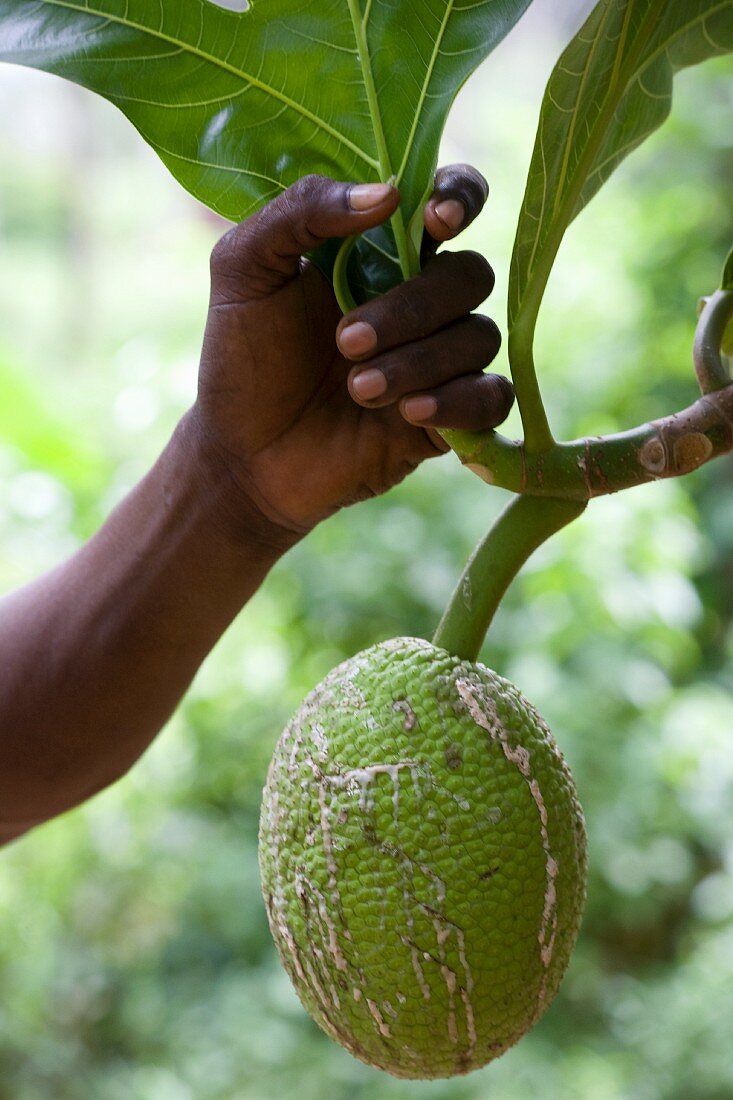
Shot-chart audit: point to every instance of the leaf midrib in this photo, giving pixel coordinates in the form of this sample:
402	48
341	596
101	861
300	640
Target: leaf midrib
367	75
196	51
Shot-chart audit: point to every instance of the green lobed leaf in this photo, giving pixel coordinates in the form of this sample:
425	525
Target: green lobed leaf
611	88
240	104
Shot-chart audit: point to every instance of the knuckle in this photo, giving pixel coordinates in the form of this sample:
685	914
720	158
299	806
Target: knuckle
485	332
436	362
498	394
224	251
411	312
410	370
477	271
305	189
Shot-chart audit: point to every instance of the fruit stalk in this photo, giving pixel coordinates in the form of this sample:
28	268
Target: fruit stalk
524	525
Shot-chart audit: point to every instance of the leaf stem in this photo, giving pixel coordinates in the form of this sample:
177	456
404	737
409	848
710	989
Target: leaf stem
523	317
341	287
537	433
524	525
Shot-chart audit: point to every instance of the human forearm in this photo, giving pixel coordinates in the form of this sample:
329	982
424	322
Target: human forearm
95	655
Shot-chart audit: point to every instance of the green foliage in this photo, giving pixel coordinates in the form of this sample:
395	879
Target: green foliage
240	105
610	89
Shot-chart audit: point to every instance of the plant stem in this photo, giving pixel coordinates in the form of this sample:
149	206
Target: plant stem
537	434
596	466
524	525
341	287
712	372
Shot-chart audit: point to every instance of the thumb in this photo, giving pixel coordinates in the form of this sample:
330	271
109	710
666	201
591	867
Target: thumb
263	253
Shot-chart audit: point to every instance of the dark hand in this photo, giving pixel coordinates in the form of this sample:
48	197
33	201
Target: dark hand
306	423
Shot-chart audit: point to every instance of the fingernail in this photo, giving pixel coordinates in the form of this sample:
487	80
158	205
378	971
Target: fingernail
451	212
419	408
365	196
368	384
357	339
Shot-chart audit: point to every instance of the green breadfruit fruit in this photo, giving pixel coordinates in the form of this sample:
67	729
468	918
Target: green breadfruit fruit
423	859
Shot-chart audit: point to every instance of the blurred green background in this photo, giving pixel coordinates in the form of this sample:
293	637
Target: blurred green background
135	960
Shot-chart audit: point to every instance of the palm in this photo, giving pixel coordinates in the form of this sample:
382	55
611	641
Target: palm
359	452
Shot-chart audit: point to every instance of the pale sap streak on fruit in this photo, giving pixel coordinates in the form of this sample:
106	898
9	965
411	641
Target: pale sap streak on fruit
410	921
410	716
550	894
466	991
318	737
470	1022
443	929
277	904
303	967
484	714
464	961
416	966
278	908
377	1016
297	742
442	932
363	778
325	1006
332	867
302	884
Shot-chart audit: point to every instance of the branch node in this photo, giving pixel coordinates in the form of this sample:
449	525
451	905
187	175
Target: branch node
653	456
691	451
481	471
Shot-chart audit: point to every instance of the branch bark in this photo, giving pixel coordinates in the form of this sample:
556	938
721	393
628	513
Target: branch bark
597	465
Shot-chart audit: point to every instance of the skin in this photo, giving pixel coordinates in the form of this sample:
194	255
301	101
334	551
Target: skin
290	424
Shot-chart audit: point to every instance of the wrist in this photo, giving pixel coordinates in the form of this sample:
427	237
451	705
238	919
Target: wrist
232	511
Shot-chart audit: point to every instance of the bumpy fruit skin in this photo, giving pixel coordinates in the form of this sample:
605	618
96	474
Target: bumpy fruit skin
423	860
